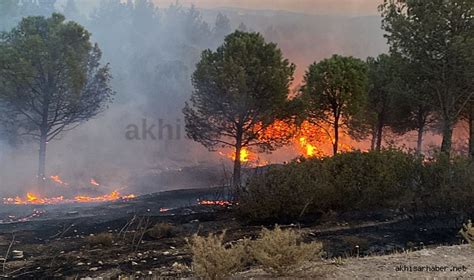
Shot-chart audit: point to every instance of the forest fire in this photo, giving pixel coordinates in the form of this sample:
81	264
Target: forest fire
309	149
94	182
33	199
245	155
308	139
223	203
58	180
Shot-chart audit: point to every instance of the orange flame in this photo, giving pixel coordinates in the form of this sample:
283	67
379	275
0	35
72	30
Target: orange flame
245	155
58	180
33	199
310	149
215	202
94	182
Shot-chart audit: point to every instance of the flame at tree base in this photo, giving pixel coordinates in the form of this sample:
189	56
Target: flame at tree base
32	199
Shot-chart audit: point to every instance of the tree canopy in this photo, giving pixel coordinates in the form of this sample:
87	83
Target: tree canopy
436	38
240	90
52	79
335	95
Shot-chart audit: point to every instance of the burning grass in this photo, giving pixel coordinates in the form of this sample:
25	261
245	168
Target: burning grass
33	199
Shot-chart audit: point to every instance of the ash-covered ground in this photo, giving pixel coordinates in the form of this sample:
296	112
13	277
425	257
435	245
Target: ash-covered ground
64	241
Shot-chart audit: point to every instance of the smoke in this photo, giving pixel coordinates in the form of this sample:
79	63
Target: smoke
152	52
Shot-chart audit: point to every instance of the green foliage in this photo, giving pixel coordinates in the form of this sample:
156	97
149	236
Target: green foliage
240	90
445	186
372	180
335	92
390	179
347	182
51	78
436	39
245	81
285	193
385	88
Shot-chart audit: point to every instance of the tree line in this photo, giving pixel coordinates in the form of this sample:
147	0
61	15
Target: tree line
424	83
51	78
150	50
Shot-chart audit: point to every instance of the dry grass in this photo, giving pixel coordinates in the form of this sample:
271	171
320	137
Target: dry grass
213	260
103	239
468	232
162	230
281	251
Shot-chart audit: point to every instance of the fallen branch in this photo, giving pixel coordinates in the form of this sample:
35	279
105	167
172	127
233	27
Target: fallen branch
8	252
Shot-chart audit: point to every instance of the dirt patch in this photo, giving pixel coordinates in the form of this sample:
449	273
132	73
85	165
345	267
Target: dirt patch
448	262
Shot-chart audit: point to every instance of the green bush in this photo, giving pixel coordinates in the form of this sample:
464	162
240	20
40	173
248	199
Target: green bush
285	193
364	181
445	186
390	179
346	182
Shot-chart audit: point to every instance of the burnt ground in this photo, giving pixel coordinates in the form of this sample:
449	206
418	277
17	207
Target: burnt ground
55	243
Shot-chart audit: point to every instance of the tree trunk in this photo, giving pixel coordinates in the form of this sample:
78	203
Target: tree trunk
42	161
335	143
380	124
447	138
419	142
471	132
374	139
236	180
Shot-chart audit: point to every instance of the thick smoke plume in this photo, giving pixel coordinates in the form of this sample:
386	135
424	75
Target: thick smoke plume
152	52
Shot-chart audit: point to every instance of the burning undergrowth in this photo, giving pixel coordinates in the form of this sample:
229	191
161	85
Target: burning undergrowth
69	194
135	237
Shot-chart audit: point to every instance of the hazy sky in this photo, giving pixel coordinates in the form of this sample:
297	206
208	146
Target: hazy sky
345	7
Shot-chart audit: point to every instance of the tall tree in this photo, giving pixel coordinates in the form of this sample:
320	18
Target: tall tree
468	118
240	90
52	78
414	106
384	85
437	37
222	27
335	94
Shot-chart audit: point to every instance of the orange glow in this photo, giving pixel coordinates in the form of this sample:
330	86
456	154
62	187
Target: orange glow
33	199
215	202
245	155
308	139
94	182
310	149
58	180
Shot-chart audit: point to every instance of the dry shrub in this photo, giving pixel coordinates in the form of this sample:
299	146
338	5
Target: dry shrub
162	230
104	239
281	251
213	260
467	232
